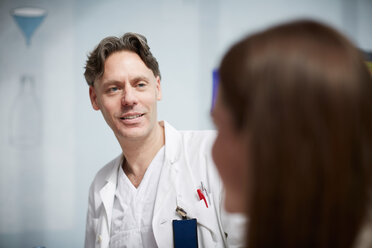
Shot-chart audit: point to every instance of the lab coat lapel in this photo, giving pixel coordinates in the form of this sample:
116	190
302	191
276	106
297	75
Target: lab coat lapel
107	194
173	140
166	193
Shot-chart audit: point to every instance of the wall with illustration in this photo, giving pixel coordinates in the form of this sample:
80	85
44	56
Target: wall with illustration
51	140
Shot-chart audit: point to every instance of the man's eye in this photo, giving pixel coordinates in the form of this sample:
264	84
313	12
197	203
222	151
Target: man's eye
140	85
113	89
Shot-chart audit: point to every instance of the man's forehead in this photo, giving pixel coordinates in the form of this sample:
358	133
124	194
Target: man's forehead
120	77
124	59
123	55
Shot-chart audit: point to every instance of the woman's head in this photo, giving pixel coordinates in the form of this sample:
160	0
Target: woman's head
300	98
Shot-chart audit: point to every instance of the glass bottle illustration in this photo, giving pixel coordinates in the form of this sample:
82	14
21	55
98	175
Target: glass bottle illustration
26	115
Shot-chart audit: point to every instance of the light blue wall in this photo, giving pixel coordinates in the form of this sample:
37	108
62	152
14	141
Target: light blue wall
43	188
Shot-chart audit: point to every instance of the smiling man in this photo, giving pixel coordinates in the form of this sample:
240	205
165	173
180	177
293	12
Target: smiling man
133	199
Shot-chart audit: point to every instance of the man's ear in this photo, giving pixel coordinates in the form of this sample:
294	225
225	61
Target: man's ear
93	97
158	89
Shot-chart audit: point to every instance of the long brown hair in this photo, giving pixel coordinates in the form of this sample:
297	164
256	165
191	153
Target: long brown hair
303	95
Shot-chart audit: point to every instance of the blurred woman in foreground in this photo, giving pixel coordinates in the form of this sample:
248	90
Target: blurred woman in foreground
294	115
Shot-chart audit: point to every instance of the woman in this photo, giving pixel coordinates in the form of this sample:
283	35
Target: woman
294	115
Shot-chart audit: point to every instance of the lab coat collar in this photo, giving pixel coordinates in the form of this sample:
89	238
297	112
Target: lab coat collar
112	177
173	140
172	151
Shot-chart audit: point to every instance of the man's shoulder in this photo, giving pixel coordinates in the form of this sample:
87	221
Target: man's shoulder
108	168
189	137
106	171
198	137
201	133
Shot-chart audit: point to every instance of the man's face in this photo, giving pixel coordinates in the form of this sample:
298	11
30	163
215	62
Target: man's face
127	95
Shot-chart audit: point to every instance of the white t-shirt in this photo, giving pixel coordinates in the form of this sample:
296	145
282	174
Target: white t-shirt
133	208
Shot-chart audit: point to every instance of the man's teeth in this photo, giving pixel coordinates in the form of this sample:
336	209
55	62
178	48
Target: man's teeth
131	117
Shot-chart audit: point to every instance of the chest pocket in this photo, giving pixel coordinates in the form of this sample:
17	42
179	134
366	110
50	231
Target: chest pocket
207	224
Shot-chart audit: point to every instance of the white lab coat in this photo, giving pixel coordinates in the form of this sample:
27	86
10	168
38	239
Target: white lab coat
187	162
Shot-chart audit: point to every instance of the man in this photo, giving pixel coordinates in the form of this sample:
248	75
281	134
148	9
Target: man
133	199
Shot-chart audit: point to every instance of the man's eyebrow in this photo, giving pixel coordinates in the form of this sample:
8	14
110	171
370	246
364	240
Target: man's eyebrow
139	78
132	80
110	81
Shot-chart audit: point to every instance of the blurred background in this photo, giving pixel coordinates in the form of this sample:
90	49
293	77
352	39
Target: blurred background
51	140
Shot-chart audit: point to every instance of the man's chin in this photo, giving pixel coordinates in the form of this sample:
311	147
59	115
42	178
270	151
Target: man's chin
134	133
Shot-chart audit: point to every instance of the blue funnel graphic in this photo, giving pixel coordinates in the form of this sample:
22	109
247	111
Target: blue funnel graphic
28	19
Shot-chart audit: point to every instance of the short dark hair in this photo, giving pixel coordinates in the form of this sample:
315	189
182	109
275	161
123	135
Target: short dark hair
133	42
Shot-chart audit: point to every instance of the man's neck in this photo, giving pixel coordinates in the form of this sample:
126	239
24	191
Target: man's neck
139	154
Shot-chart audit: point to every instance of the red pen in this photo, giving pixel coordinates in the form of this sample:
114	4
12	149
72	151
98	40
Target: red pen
202	197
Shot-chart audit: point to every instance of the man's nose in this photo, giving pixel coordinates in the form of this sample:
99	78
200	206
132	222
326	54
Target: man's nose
129	97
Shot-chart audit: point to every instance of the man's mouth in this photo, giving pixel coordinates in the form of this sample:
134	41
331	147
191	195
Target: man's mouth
130	117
